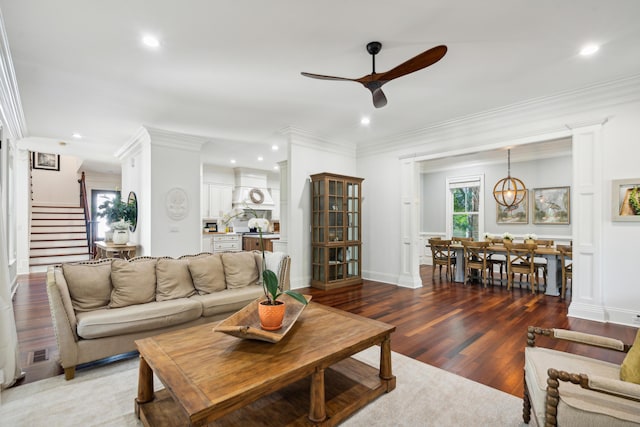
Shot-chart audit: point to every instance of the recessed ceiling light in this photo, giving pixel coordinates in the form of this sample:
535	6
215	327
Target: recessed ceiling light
274	147
232	160
276	167
150	41
62	143
260	158
589	49
76	135
365	121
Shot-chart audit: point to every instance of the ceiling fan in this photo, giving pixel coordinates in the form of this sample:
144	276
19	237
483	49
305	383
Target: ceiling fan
374	81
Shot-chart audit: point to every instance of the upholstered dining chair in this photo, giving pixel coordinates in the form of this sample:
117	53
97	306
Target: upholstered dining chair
476	258
566	389
566	264
541	263
499	260
520	259
442	256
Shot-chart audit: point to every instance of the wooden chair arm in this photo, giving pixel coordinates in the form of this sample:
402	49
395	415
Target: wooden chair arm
617	388
577	337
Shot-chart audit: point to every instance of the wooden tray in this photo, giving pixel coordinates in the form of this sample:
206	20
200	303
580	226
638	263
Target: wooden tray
246	324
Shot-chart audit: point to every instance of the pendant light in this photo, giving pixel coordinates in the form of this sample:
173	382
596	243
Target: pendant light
509	191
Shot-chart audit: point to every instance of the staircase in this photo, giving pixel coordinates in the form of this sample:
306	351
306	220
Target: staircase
58	234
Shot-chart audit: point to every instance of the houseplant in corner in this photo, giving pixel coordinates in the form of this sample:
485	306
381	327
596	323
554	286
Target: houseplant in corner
119	214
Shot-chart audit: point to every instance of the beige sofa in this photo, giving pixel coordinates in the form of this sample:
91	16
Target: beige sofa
100	308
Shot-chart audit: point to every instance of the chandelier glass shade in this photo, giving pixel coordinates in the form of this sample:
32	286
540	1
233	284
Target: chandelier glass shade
509	191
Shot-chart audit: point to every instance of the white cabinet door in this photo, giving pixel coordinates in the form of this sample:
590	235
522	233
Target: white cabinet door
207	243
219	200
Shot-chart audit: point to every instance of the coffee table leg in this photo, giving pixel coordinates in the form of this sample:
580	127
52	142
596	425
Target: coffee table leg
145	384
385	364
317	410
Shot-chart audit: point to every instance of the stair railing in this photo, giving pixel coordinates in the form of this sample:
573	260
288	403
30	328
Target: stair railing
91	230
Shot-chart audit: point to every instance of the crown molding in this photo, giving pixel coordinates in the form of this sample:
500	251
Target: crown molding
303	138
11	111
146	135
538	116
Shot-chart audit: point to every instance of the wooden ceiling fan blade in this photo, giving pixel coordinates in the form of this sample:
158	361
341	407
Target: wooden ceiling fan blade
322	77
418	62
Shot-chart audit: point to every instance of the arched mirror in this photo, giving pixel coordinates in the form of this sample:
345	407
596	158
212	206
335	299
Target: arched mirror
133	201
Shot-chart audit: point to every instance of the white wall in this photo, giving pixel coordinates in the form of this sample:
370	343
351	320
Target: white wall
57	188
308	157
540	120
550	172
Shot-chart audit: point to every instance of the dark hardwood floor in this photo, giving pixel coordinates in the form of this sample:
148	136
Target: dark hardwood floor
474	332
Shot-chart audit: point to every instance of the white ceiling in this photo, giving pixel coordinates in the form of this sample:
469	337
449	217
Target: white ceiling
230	70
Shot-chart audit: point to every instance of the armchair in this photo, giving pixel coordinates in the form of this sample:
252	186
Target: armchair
567	389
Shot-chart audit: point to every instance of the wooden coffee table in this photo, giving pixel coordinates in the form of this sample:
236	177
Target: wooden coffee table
308	378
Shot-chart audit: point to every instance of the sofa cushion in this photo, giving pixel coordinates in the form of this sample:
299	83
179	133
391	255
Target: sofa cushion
137	318
228	301
240	269
133	282
173	279
630	368
89	285
207	273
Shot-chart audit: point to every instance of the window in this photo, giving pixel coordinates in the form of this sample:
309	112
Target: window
99	197
465	212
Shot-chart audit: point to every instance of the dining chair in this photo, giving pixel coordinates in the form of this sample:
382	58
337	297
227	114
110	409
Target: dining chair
461	239
476	258
442	256
541	263
566	264
498	259
520	259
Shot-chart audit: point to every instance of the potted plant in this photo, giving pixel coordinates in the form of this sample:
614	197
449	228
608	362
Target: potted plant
530	238
117	211
271	311
507	237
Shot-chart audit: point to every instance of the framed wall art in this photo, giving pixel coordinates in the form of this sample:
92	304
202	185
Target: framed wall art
626	199
46	161
551	205
518	214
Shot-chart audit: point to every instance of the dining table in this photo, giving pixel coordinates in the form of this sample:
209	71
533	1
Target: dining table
550	254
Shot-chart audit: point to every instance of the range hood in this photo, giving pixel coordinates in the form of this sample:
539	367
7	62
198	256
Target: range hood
251	190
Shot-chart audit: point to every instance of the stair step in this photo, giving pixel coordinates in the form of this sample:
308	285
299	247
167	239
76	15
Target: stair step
53	260
56	222
49	237
58	243
58	229
57	209
57	215
45	252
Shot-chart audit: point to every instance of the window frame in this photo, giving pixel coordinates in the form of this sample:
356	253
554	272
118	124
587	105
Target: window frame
458	182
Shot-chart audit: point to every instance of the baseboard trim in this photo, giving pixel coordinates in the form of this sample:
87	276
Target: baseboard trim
587	311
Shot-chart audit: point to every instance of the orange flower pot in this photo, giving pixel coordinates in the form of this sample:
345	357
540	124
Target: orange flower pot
271	316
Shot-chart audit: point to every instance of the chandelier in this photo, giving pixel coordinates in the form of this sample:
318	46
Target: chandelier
509	191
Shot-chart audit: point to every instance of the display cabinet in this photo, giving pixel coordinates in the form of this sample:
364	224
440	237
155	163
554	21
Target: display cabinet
335	230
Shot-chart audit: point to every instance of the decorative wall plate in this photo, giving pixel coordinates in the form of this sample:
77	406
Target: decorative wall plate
177	203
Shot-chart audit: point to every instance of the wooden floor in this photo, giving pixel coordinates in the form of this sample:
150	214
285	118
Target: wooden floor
477	333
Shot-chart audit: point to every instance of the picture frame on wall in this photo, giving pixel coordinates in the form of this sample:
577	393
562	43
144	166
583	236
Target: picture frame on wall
517	214
552	205
626	200
46	161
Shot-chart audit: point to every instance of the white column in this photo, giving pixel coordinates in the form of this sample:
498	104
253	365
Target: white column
22	210
587	216
281	245
409	228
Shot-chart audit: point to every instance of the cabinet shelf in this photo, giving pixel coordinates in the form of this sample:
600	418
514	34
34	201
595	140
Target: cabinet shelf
335	230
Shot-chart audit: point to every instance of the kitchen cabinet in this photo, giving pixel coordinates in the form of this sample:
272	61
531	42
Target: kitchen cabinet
217	243
253	244
336	222
216	200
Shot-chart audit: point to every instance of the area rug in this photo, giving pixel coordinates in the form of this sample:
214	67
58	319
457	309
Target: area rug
424	396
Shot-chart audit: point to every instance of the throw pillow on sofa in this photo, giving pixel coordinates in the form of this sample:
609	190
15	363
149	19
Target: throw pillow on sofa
207	273
89	285
173	279
133	282
240	269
